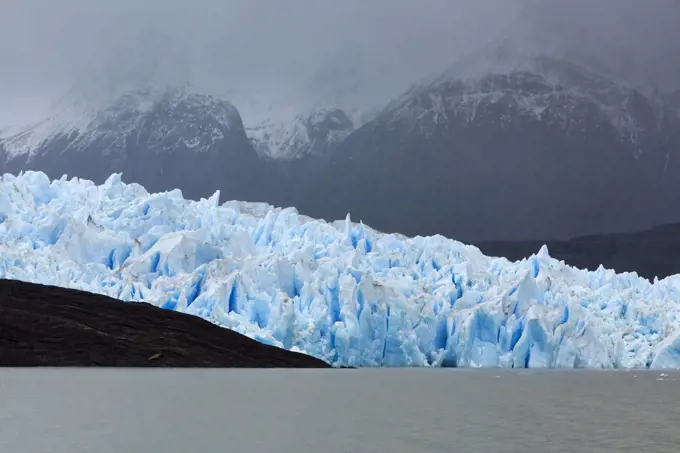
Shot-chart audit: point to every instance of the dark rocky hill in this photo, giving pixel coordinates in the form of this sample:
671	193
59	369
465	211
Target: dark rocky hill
50	326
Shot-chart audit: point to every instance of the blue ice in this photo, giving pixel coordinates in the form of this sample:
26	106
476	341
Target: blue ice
340	291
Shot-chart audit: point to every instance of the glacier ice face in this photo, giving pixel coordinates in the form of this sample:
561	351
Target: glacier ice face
339	291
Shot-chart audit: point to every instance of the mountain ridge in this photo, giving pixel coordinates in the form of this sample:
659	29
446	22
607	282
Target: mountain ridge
152	137
543	148
488	164
114	123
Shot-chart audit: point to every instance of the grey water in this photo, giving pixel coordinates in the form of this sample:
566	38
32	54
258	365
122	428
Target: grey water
304	411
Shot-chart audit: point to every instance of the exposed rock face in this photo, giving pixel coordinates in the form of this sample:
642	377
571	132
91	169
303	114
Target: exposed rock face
50	326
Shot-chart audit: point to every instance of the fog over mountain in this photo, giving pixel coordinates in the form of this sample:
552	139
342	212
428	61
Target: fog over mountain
277	58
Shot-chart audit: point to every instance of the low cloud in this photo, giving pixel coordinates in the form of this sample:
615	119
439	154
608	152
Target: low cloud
293	53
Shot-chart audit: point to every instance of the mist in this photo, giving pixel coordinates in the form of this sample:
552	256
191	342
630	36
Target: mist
271	57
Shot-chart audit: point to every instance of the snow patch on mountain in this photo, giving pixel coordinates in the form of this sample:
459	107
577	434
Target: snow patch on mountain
307	134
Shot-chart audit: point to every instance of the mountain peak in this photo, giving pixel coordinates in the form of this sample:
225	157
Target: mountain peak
566	93
176	113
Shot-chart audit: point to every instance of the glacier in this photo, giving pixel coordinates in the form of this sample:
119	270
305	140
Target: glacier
339	291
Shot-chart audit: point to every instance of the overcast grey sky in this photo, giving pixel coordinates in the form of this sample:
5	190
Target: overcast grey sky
296	52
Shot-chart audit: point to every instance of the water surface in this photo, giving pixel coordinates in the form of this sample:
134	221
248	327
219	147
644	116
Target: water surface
362	411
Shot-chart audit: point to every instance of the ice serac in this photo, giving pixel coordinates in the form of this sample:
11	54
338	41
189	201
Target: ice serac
340	291
668	353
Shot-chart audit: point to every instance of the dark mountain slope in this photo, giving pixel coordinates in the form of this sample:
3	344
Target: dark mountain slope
651	253
546	151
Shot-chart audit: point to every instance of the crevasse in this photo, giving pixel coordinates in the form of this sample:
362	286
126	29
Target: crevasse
339	291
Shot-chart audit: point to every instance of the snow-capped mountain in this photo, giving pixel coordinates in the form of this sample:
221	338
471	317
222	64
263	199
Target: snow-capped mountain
543	149
311	134
166	119
162	119
553	93
161	138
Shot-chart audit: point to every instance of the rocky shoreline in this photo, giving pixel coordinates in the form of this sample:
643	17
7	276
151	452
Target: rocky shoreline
50	326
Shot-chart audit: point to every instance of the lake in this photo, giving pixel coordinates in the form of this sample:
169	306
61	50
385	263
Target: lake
358	411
